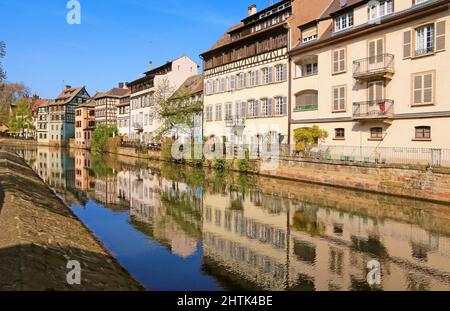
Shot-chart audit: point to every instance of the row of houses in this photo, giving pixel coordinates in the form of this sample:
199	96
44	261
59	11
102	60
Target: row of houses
370	73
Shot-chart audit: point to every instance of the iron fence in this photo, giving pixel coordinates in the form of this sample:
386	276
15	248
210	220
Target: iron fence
436	157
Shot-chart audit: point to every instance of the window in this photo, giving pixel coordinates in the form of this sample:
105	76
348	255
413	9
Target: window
266	107
344	21
209	113
210	87
281	72
280	106
376	133
267	75
241	80
231	83
228	111
376	91
309	38
254	78
218	112
306	100
222	85
304	70
423	88
339	134
378	9
253	108
423	133
424	40
339	98
339	62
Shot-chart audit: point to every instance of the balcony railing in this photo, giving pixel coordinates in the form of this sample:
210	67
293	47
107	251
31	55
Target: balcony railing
379	65
138	126
236	121
375	109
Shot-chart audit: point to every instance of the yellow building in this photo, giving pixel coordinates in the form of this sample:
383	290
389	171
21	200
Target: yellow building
84	124
374	74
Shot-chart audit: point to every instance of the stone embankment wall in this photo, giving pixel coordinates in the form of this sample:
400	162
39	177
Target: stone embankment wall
40	235
420	183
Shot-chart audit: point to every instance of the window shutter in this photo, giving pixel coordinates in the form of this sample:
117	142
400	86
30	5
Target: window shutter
285	70
342	60
284	109
335	61
371	93
335	99
428	88
257	77
270	69
440	36
270	108
379	90
380	50
407	44
417	89
342	99
372	51
256	113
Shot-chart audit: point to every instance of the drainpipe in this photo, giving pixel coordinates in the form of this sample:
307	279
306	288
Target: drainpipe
289	85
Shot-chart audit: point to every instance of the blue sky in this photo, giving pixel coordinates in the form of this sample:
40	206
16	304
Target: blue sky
114	42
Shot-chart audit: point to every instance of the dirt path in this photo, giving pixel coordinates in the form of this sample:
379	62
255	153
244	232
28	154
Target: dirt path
39	235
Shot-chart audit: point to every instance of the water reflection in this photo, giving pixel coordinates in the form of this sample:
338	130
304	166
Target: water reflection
177	228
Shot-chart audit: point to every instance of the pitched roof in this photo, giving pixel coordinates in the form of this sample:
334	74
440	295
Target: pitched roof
191	86
89	104
335	6
114	93
226	37
68	94
39	102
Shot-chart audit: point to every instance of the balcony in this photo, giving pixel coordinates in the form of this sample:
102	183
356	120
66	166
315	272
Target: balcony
381	66
236	121
138	127
373	110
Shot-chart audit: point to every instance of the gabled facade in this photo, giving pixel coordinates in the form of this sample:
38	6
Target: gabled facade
375	74
84	124
106	104
156	85
61	115
42	123
247	75
188	99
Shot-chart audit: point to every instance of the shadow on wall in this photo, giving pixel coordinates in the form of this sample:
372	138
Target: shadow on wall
35	268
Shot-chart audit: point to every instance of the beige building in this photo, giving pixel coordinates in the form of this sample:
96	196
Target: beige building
375	74
157	84
246	75
84	124
106	104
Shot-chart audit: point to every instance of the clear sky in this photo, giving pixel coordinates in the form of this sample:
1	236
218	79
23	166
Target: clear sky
115	41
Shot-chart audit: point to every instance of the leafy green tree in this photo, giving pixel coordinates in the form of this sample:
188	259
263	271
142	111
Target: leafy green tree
177	110
10	94
100	138
308	138
22	118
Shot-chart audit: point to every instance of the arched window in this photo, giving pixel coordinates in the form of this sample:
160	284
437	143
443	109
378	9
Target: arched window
306	100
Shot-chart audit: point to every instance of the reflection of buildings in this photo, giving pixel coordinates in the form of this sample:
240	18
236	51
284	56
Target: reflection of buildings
84	177
164	210
274	244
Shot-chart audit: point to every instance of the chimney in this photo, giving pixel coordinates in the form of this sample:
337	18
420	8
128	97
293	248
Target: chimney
121	85
252	9
67	87
150	66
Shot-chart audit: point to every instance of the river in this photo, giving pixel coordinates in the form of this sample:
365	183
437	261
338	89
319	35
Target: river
180	228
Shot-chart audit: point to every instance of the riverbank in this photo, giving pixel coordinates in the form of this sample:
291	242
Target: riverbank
408	181
40	235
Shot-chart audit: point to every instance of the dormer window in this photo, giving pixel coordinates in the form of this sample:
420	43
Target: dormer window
378	9
344	21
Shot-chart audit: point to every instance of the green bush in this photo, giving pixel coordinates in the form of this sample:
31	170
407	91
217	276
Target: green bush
307	138
220	165
244	165
100	138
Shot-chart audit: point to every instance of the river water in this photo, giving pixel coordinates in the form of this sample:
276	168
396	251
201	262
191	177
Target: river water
179	228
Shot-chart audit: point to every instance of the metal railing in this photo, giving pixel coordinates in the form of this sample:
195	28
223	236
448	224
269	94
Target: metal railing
236	121
435	157
378	64
373	109
425	51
